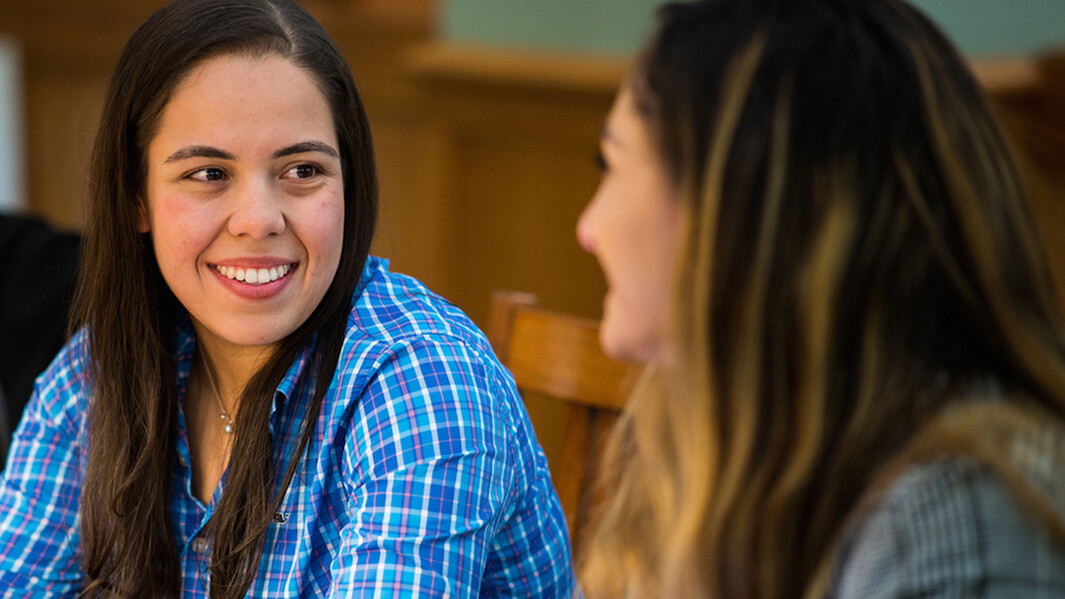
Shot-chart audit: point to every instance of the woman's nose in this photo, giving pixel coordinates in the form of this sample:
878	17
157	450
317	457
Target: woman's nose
586	226
257	211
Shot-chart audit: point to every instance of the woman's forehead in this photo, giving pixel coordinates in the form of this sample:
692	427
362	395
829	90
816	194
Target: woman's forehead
234	101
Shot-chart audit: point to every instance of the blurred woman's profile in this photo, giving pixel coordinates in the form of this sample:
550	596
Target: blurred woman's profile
813	230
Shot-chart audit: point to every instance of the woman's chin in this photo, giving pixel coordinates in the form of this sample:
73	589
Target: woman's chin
624	340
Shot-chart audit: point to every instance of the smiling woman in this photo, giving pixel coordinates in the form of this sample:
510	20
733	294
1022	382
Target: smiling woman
632	225
244	174
252	405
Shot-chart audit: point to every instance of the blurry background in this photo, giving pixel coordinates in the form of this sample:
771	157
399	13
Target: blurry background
485	117
12	173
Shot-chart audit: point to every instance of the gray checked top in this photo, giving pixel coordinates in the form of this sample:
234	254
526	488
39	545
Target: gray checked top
951	529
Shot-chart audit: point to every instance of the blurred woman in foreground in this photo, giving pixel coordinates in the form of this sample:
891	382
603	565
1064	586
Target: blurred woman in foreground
811	227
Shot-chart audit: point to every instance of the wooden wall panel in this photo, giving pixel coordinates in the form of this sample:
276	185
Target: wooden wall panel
418	228
1031	104
61	124
67	59
521	204
524	129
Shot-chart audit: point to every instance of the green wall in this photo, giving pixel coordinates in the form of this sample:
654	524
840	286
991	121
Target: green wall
600	26
979	27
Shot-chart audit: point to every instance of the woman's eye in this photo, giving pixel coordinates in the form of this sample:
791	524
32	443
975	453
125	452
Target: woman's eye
600	162
302	171
208	174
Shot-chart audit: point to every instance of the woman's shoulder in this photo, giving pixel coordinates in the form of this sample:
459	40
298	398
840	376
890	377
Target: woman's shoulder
409	351
61	391
417	374
391	308
401	335
951	527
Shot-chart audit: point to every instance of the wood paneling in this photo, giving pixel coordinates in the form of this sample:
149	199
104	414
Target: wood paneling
1034	115
61	121
68	49
522	133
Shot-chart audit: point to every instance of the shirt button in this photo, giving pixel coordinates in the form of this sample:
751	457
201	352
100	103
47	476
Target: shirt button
199	544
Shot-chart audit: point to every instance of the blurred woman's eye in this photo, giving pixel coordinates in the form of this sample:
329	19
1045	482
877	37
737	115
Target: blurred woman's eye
207	174
301	171
600	162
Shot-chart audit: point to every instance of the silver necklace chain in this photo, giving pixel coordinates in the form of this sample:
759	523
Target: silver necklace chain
228	428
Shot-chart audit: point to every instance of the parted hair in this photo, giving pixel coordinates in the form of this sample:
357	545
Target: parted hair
130	317
858	268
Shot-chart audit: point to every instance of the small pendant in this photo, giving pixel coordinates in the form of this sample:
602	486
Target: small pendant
228	428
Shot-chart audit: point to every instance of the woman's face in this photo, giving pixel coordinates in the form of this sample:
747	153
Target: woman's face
245	198
632	226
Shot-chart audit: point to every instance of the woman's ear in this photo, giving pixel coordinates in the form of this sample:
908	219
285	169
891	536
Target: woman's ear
143	222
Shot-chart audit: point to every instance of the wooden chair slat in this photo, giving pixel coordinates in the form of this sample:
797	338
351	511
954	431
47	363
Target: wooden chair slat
558	356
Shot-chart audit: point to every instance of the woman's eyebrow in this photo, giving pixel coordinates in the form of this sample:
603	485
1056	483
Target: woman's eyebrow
607	136
307	146
199	152
210	152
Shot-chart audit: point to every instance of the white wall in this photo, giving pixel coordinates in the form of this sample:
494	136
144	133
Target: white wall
12	175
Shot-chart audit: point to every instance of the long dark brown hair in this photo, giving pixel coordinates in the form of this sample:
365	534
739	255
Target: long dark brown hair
859	263
130	316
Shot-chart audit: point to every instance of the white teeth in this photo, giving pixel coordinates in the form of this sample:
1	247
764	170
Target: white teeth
254	276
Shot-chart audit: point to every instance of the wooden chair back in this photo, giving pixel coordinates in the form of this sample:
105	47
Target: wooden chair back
557	357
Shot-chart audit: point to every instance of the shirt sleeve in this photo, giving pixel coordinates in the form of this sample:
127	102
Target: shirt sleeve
431	473
950	530
40	488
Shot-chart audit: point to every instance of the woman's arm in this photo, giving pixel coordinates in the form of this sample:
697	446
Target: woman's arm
432	463
40	488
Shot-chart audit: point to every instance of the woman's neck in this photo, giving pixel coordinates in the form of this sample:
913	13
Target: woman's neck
230	366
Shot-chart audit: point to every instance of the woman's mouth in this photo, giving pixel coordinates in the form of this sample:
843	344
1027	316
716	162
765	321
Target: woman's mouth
254	276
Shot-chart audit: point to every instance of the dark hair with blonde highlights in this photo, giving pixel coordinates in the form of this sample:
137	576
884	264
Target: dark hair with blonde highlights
859	260
129	314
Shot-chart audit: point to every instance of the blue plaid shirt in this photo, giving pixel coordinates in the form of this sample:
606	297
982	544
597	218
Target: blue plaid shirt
423	477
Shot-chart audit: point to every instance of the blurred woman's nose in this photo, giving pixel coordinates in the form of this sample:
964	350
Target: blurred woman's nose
257	211
586	226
